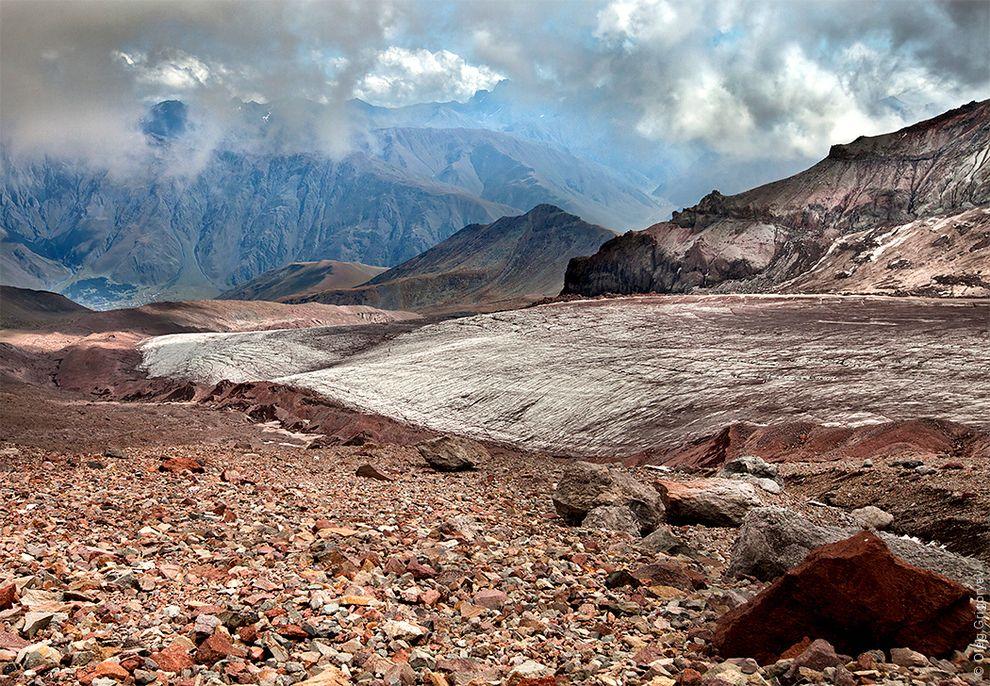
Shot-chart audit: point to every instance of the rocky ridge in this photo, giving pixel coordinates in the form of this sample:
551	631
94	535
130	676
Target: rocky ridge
508	263
892	214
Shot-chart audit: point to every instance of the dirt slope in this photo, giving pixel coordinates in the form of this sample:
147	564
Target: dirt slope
301	279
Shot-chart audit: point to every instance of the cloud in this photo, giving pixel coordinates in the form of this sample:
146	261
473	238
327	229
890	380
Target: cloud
662	82
405	77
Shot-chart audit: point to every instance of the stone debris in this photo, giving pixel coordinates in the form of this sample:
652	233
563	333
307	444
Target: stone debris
280	566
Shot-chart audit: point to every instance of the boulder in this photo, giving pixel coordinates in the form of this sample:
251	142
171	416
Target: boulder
664	541
871	517
772	540
452	453
711	502
612	518
669	571
856	595
8	595
585	486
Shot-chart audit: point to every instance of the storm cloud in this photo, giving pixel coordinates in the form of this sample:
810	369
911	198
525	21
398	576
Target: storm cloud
742	82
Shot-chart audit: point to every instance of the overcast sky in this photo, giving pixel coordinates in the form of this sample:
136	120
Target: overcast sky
777	81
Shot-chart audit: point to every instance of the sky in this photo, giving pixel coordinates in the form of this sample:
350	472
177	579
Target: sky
745	87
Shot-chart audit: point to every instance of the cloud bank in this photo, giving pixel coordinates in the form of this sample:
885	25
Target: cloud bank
742	81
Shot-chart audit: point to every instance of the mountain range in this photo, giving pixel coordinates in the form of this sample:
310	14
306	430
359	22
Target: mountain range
507	263
106	239
901	213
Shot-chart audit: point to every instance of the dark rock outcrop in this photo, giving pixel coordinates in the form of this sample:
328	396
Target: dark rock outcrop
856	595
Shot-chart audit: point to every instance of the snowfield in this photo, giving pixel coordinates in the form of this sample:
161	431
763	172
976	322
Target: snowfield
611	377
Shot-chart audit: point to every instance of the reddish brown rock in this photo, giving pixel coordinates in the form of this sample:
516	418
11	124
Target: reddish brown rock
420	571
8	596
11	641
174	658
491	598
370	472
178	465
293	632
689	677
102	670
214	649
856	595
669	572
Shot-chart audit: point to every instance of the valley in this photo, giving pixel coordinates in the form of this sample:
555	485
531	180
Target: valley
360	343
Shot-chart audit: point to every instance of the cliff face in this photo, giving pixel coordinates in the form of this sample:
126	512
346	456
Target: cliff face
508	262
765	239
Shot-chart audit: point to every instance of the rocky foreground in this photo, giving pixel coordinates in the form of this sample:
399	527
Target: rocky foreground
129	556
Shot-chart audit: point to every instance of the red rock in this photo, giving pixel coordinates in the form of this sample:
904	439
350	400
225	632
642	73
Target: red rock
370	472
689	677
669	572
11	641
856	595
248	633
396	565
214	649
8	596
491	598
178	465
429	596
818	655
420	571
110	670
175	658
293	632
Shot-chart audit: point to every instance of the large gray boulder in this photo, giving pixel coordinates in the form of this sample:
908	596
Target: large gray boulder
711	502
613	518
452	453
772	540
585	486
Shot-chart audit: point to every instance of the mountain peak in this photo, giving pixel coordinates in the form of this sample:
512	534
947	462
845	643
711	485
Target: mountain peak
166	120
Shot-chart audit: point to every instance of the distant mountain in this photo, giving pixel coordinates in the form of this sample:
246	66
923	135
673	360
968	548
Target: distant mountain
903	200
301	279
24	308
509	262
109	240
